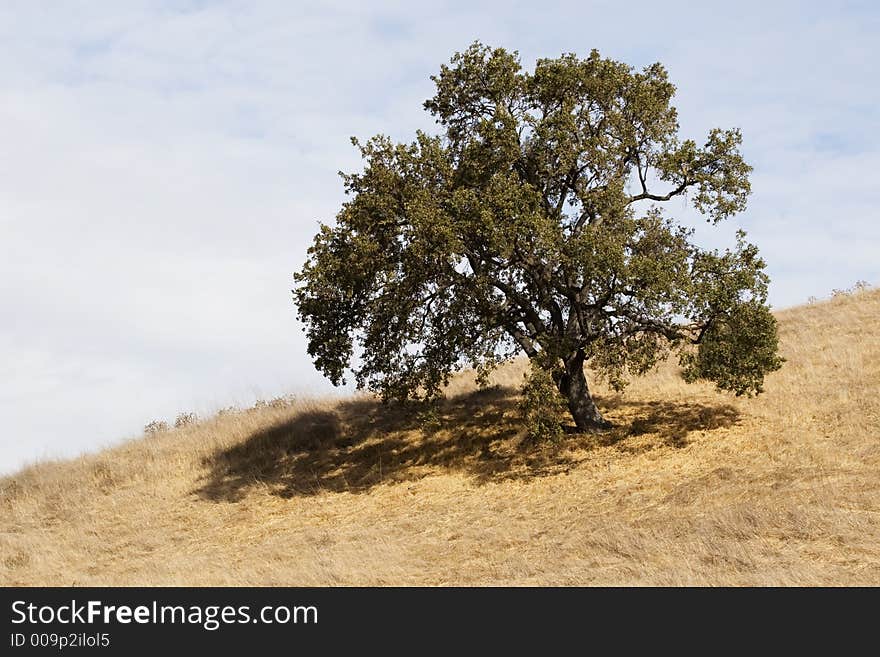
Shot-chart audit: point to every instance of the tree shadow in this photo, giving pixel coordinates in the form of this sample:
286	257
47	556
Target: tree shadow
669	422
361	443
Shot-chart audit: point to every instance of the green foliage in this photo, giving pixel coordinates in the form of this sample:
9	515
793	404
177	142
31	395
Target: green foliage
429	418
532	225
736	351
541	405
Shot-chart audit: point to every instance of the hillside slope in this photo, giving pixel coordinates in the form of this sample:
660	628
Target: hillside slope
692	487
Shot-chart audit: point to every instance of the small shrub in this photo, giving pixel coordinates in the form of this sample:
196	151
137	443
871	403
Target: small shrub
156	426
429	419
229	410
859	286
541	405
185	420
284	401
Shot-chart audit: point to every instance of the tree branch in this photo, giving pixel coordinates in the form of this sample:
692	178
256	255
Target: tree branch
656	197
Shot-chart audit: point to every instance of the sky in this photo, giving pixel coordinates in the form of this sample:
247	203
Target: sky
164	166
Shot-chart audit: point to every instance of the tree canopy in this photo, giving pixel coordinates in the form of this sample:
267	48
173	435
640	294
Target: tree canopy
534	224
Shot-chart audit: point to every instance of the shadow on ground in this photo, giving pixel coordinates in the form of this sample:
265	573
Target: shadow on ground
362	443
670	422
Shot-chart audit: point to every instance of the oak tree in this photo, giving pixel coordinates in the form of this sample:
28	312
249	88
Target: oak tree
534	224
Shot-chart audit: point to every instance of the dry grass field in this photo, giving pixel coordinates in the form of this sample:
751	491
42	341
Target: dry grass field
693	487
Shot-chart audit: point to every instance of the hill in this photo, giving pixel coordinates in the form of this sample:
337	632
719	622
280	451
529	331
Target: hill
691	487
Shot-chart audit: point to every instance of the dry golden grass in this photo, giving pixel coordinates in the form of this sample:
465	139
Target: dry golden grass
692	487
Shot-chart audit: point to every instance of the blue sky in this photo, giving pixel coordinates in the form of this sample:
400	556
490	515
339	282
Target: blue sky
164	166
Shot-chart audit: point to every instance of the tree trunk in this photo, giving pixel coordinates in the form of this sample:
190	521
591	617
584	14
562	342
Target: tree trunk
573	385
